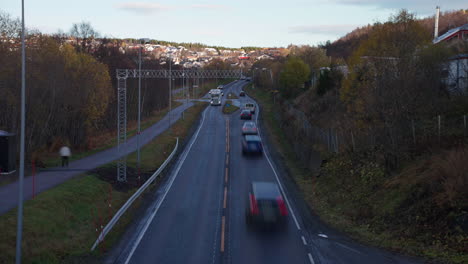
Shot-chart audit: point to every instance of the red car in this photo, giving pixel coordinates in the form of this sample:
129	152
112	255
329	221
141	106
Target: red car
266	207
246	114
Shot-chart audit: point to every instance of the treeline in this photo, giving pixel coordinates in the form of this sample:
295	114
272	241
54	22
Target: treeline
392	78
344	46
71	88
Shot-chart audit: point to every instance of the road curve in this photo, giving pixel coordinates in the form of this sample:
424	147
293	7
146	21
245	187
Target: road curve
198	213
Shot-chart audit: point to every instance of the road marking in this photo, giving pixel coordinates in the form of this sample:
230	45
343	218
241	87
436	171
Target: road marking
350	249
322	235
226	176
227	159
276	175
311	259
228	135
304	241
158	205
223	226
225	197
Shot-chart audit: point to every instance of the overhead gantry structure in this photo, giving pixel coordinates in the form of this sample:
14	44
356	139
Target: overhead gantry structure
124	74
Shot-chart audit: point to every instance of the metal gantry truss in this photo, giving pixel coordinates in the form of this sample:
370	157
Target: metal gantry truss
124	74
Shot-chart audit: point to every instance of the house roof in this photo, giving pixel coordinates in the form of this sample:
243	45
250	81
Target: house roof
450	33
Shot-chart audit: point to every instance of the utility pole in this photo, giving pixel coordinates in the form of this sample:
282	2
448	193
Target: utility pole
139	110
19	232
170	94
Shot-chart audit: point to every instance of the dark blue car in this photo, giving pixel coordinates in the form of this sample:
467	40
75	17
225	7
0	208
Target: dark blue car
252	144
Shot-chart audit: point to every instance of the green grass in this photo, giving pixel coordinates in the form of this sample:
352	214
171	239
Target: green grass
229	108
60	224
364	204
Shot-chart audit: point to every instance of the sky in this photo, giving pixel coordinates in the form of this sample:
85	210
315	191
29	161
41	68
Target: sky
235	23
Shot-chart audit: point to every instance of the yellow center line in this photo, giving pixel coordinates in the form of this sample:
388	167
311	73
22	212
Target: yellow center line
225	197
223	226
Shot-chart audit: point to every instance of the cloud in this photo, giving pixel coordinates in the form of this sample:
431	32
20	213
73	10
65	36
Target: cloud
322	29
419	6
142	7
149	8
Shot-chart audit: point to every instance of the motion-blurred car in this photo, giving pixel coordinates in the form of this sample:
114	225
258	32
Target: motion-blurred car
250	106
246	114
266	207
242	93
252	144
249	128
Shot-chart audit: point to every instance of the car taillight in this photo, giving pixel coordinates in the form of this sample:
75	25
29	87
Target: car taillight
282	206
253	205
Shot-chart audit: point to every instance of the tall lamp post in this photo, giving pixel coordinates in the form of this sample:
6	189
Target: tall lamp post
19	232
144	41
170	93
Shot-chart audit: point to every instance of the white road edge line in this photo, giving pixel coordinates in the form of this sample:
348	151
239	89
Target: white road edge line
311	258
304	241
276	175
142	233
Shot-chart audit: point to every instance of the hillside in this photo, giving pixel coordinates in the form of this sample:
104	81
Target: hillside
344	46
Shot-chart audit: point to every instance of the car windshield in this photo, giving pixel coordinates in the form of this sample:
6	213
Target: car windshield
265	190
252	138
249	125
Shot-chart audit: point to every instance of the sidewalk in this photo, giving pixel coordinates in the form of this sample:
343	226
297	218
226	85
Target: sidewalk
55	176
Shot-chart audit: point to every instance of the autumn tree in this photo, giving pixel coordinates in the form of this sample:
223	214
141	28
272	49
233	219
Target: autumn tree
315	57
295	73
395	78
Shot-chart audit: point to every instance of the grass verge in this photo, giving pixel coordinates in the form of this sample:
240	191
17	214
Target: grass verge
60	224
397	214
229	108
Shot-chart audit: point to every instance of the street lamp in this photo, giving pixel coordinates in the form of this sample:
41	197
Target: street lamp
19	232
253	77
144	41
170	93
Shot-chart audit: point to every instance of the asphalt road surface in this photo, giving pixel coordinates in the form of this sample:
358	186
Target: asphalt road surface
198	215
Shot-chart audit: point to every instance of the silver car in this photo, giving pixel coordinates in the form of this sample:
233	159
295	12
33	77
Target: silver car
249	128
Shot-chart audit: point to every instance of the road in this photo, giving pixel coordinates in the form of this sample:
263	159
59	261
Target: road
198	214
48	179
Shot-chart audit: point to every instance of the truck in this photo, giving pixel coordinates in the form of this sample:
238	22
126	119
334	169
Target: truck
215	97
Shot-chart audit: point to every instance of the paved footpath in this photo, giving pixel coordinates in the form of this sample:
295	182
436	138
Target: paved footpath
55	176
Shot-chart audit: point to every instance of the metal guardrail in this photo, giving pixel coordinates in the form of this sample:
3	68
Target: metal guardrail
129	202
